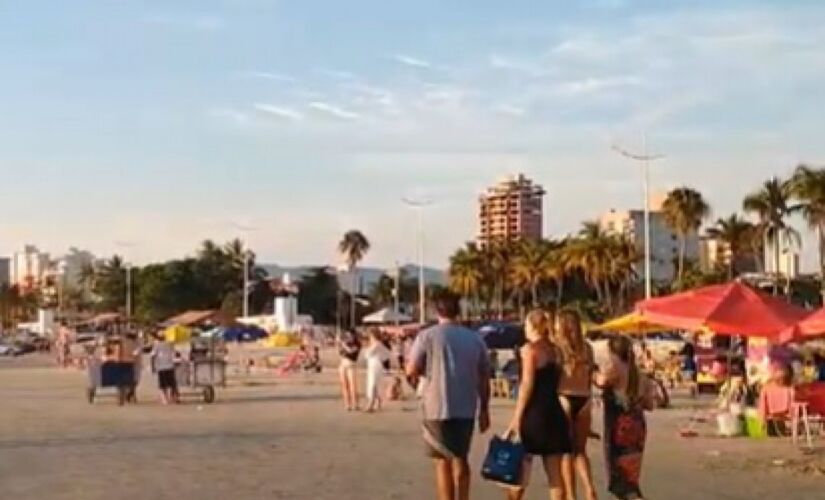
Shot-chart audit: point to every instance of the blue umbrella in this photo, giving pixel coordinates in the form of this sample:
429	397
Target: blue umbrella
243	333
500	335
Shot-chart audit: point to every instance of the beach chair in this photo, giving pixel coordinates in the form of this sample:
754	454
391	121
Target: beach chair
807	415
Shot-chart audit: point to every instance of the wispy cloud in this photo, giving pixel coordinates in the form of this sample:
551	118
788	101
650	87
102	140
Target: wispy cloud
266	75
411	61
279	111
334	111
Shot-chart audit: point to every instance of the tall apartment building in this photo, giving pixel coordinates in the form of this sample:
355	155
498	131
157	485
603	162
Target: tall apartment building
29	267
511	210
664	243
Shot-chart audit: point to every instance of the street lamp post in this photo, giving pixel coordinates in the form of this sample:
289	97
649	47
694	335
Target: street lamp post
396	292
419	206
128	245
644	160
128	293
245	282
246	261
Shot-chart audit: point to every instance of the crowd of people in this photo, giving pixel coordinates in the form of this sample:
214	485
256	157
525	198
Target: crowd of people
556	372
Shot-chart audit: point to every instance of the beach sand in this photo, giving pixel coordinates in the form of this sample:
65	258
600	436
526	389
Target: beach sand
288	438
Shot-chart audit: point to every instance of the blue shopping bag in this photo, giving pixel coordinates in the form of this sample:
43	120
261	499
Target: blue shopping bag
504	461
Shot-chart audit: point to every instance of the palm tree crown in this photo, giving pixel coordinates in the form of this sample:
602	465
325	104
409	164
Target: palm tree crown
684	210
354	247
773	205
735	233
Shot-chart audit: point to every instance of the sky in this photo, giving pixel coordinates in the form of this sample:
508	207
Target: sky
145	127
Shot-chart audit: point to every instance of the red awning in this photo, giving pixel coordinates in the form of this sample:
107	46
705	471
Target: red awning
732	309
810	328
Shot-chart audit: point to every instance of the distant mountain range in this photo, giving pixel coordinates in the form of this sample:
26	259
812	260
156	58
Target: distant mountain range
367	276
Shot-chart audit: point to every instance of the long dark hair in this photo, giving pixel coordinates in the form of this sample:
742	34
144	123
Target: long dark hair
622	348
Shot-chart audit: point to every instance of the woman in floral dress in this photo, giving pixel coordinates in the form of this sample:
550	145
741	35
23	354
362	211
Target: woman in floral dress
628	393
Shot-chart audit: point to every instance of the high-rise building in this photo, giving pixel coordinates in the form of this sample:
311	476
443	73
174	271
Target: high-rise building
511	210
664	243
29	267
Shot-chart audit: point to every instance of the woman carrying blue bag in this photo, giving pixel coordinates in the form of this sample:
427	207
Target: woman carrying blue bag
539	421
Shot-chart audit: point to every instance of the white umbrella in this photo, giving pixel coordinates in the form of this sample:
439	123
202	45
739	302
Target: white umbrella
386	316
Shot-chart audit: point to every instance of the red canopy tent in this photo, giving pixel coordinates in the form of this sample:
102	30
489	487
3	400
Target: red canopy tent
810	328
732	309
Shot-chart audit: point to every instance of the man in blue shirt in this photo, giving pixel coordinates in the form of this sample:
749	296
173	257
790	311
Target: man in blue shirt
455	365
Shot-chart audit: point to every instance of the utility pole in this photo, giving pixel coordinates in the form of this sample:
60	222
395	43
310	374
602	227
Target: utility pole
419	206
644	160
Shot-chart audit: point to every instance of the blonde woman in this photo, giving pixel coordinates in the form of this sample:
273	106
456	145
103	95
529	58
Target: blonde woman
539	420
576	395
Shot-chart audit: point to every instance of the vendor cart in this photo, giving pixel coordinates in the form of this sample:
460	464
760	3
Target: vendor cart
204	371
107	369
110	375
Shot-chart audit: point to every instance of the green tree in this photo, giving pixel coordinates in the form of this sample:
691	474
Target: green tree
684	210
110	285
808	187
736	235
530	267
773	205
353	247
319	295
466	272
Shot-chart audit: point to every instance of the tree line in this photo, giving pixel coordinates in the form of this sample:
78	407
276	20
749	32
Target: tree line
598	272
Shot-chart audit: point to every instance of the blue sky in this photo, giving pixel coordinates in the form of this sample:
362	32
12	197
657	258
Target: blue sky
165	122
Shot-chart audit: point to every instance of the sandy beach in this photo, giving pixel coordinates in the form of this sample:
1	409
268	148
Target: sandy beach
269	437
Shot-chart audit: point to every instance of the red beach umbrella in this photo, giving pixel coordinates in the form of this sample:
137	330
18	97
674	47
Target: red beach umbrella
810	328
731	309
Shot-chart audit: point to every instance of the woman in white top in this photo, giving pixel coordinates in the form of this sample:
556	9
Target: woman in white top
376	355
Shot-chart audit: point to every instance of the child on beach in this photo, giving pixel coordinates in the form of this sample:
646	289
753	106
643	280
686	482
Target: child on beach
376	355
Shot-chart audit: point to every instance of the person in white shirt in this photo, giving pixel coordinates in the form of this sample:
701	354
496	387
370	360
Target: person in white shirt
377	355
163	356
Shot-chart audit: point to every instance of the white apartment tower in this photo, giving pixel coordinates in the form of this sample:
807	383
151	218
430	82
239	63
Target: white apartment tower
664	243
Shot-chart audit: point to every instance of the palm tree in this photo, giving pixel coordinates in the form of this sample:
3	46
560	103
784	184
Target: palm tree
497	257
772	204
530	267
466	272
87	276
624	256
382	291
684	210
555	266
353	247
808	187
735	234
590	255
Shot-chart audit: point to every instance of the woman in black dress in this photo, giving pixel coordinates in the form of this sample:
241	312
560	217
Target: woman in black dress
539	420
